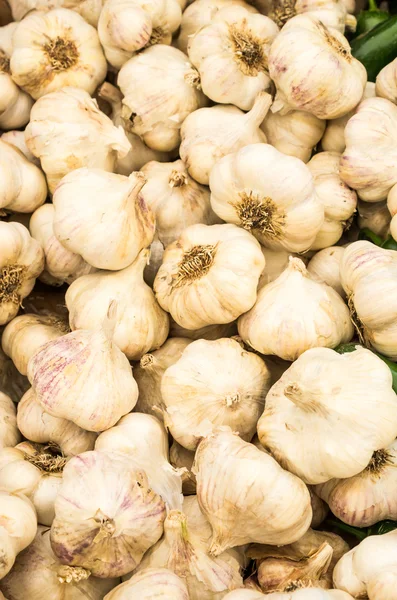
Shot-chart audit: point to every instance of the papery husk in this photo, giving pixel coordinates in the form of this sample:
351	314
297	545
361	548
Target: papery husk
183	459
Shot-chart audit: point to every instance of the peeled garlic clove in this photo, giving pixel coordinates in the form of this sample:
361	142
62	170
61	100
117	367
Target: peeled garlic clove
19	526
208	134
38	426
386	82
231	55
17	138
336	80
209	332
214	383
250	188
151	583
375	216
25	334
21	261
233	483
9	433
209	276
324	266
105	509
89	138
148	374
86	202
89	9
317	406
183	459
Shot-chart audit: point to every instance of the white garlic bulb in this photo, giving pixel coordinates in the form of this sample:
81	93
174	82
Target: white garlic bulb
9	433
231	56
162	584
294	313
214	383
269	194
68	131
233	479
17	138
105	509
336	79
21	261
183	459
210	275
19	526
127	26
375	216
86	202
176	199
56	49
386	82
89	9
38	426
325	266
209	332
92	383
314	423
160	88
210	133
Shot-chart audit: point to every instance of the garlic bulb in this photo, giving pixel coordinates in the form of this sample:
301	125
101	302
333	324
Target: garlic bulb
160	88
92	384
68	131
162	584
386	82
155	259
25	334
210	133
183	459
295	133
214	383
23	186
12	382
86	202
141	324
374	215
38	573
294	313
149	373
127	26
324	266
9	434
144	439
15	105
314	423
210	332
38	426
231	56
365	269
21	261
338	199
105	509
209	275
56	49
250	188
17	138
176	199
61	265
18	527
336	80
89	9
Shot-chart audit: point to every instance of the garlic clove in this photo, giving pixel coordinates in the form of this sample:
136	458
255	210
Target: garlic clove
151	583
324	266
9	433
17	138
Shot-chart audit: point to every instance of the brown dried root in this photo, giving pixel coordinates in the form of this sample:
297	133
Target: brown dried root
68	574
357	323
334	42
11	277
4	62
379	460
48	459
62	54
259	213
177	179
248	49
282	11
158	35
61	324
194	264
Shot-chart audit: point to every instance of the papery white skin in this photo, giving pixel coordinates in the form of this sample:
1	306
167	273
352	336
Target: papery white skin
149	373
386	82
224	285
243	493
126	26
17	138
214	383
333	13
160	88
375	216
302	594
38	426
38	571
324	266
183	459
24	335
105	508
68	131
210	332
151	583
336	80
144	439
56	49
270	194
23	186
22	260
369	278
89	9
11	381
18	527
103	217
328	413
231	55
294	313
9	433
210	133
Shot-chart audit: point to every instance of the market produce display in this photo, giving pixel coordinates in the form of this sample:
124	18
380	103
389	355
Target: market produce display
198	314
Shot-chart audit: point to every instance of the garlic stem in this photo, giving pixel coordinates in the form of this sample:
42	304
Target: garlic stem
249	122
306	400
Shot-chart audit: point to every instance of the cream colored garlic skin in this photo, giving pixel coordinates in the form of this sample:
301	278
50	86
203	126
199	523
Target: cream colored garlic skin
375	216
9	434
105	509
325	266
89	9
294	313
17	138
210	275
214	383
151	583
231	55
233	480
270	194
317	406
19	526
333	13
386	82
335	83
